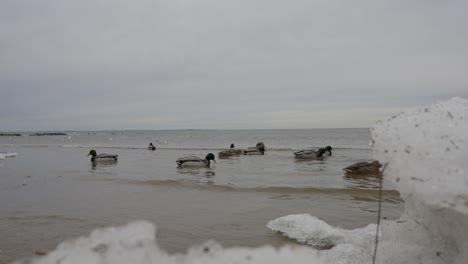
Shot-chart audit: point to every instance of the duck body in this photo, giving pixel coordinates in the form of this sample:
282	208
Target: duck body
194	161
306	154
309	154
229	153
253	151
259	149
364	168
104	157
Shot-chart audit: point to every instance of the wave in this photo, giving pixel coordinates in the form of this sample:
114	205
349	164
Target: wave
391	196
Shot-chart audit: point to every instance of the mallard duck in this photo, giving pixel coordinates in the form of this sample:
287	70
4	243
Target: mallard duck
328	151
259	149
309	154
151	146
193	161
229	153
104	157
364	168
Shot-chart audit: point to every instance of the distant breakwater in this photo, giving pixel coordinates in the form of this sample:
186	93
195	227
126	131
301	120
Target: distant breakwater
34	134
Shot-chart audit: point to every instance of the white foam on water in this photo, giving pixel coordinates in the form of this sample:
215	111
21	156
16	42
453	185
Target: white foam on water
10	154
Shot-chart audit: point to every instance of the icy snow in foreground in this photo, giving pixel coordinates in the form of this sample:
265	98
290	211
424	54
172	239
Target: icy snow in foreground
134	243
426	150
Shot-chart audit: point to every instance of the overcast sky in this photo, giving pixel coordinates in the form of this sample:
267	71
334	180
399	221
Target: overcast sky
213	64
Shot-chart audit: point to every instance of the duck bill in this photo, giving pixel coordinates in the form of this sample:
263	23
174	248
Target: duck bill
215	161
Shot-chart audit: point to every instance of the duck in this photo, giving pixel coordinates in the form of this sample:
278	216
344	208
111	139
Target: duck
194	161
309	154
364	168
104	157
328	151
229	153
259	149
151	146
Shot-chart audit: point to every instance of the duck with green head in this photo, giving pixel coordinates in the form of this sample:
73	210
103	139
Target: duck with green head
328	150
194	161
104	157
309	154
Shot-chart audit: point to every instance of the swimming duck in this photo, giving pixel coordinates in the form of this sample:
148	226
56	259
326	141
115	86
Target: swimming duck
104	157
259	149
193	161
364	167
151	146
328	151
309	154
229	153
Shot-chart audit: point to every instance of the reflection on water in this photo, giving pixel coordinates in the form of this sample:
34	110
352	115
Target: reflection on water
208	172
363	181
95	164
203	175
310	161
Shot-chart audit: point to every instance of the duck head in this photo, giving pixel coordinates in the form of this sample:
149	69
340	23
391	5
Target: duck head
92	153
328	148
376	164
210	156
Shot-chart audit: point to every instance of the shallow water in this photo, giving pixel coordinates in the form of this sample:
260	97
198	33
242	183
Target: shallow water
51	191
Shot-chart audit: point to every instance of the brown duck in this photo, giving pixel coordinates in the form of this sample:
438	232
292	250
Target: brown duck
364	167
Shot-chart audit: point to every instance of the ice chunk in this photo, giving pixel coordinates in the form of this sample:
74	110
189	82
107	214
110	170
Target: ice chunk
425	150
347	246
134	243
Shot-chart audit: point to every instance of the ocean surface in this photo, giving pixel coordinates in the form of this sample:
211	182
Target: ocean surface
51	192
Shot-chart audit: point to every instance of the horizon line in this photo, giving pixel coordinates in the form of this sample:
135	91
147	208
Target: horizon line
181	129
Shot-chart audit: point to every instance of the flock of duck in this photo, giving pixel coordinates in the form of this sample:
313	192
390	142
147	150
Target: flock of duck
259	149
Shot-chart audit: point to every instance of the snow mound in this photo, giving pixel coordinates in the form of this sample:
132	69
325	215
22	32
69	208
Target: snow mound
135	243
424	150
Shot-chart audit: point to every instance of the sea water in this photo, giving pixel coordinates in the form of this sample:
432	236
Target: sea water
424	150
51	192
